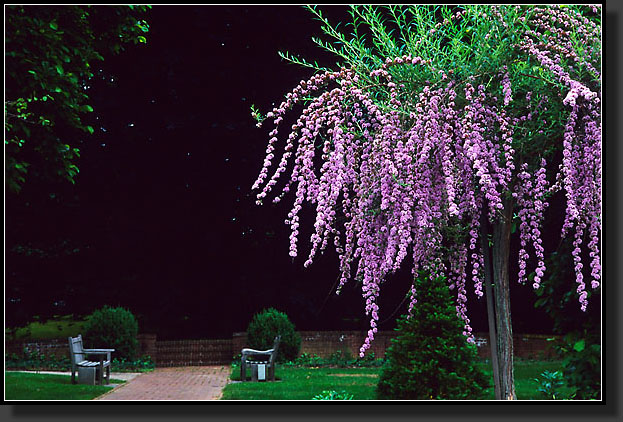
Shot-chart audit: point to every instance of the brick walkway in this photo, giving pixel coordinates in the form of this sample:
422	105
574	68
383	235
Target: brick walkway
186	383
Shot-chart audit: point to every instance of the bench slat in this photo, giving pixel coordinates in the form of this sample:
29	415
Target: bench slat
91	363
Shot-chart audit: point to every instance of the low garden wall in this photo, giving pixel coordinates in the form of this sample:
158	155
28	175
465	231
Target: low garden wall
58	348
321	343
527	346
193	352
325	343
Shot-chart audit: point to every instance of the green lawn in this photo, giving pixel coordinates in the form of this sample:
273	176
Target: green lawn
302	383
525	373
58	327
30	386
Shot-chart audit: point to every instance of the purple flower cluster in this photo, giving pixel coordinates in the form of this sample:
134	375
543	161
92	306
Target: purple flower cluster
506	88
581	178
530	194
409	171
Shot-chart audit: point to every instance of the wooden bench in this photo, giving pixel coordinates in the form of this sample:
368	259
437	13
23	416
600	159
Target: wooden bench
88	369
258	360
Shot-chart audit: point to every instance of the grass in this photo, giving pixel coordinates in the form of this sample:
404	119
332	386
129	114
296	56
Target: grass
29	386
525	373
303	383
57	327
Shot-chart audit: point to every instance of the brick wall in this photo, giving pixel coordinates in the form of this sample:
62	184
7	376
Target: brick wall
324	343
147	345
527	346
193	352
53	347
320	343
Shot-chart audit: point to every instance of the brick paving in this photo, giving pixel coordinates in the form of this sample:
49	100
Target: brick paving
179	383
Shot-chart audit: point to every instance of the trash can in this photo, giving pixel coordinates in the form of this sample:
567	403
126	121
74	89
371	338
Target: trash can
86	375
258	371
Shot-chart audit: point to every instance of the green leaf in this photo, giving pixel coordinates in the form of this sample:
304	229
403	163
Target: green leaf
579	345
54	25
540	302
90	129
59	69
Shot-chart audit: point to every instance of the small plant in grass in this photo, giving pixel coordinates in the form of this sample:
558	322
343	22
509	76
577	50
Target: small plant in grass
550	384
430	358
114	328
333	395
268	324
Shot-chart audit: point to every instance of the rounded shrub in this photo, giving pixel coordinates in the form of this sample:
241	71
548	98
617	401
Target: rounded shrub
268	324
430	358
114	328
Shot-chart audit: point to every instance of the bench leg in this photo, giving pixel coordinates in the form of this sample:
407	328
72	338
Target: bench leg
254	373
243	371
101	373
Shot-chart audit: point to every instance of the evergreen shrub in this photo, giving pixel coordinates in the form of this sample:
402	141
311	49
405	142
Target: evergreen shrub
114	328
430	358
268	324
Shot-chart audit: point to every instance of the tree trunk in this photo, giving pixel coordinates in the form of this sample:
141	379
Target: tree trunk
486	251
501	288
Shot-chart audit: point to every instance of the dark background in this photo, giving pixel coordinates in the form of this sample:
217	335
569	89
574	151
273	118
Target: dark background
162	219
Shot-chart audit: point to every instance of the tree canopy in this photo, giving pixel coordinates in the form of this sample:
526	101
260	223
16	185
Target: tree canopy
51	55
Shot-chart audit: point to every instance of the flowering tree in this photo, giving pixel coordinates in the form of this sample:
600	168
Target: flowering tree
435	140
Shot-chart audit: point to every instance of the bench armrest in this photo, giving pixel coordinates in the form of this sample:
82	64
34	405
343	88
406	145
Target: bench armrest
257	352
101	353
